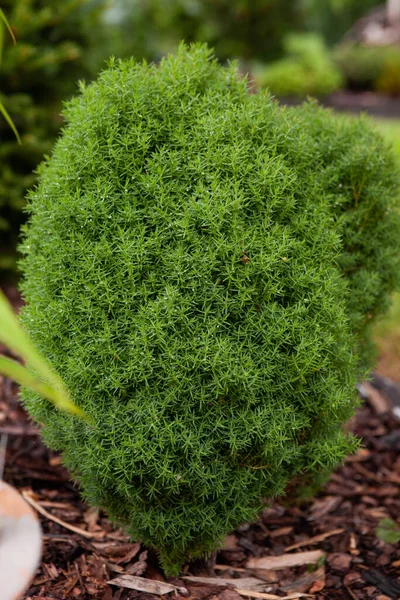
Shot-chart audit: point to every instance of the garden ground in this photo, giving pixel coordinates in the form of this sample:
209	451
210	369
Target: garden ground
343	542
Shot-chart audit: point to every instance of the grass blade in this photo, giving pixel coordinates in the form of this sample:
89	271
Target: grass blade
3	111
13	370
10	122
3	18
14	337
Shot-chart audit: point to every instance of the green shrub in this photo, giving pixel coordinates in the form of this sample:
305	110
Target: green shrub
181	273
53	40
369	67
307	69
361	181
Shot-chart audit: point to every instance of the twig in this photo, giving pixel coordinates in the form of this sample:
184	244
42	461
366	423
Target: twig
314	540
28	497
17	430
264	596
286	560
246	583
351	593
151	586
3	450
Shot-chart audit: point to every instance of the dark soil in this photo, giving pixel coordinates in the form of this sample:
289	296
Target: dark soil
357	564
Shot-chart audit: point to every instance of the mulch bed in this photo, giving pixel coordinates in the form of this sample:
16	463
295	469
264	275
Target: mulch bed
349	560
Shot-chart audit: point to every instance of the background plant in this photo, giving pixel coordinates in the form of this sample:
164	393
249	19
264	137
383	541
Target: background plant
307	69
246	29
53	51
369	68
236	28
334	18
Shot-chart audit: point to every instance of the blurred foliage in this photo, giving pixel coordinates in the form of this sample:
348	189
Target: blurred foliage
333	18
360	65
388	531
249	29
53	50
235	28
307	69
387	331
4	24
388	81
370	68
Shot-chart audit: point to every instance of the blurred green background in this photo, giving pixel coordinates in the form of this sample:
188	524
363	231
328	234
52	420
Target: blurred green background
296	48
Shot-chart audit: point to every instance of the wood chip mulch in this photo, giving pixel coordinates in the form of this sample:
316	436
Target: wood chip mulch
327	548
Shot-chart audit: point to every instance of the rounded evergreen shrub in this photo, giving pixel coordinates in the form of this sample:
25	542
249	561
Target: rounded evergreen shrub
360	178
183	273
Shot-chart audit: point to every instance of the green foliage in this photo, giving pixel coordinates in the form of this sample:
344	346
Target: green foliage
388	81
370	67
307	69
390	130
53	39
5	24
47	383
361	181
236	28
190	294
388	531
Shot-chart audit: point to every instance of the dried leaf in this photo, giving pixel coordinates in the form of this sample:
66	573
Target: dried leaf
265	596
339	561
228	568
304	583
141	584
322	507
230	543
315	540
91	516
286	560
248	583
318	586
376	400
139	567
281	531
129	555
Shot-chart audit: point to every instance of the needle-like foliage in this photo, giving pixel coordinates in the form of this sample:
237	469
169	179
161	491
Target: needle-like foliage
182	273
361	183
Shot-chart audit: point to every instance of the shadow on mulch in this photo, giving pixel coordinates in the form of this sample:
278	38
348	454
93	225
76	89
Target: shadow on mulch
351	561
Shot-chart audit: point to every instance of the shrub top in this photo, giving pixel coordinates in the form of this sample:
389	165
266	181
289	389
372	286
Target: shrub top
181	273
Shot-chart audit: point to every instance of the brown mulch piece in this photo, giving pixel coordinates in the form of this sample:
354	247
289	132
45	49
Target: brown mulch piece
340	523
